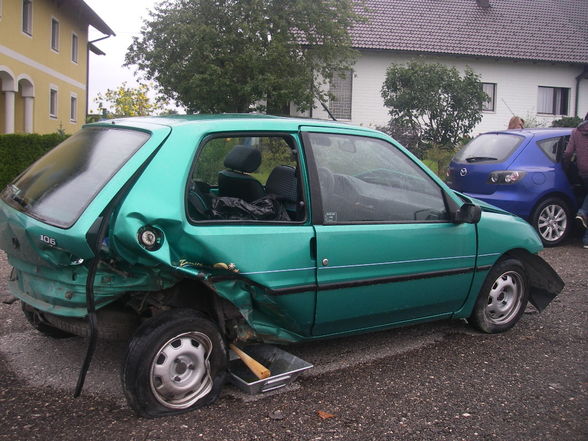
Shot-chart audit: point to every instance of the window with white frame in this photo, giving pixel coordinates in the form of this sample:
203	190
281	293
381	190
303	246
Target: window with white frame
341	89
490	90
53	102
74	48
27	17
54	34
73	108
553	100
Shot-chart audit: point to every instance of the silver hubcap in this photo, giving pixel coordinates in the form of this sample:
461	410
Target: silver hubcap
552	222
504	299
180	371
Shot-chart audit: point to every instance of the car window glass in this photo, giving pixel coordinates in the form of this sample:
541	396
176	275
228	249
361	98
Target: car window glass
553	147
364	179
489	147
58	187
248	178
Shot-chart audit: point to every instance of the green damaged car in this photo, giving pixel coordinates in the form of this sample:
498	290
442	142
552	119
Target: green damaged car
186	234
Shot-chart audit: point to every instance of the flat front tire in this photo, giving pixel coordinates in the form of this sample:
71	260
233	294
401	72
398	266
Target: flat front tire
175	362
502	299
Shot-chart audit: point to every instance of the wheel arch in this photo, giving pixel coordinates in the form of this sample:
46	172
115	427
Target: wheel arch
568	207
552	194
196	294
544	283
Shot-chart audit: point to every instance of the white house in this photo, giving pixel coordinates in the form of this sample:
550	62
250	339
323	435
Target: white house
532	55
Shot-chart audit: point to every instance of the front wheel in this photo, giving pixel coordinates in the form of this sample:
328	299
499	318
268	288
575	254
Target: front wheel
551	219
175	362
502	299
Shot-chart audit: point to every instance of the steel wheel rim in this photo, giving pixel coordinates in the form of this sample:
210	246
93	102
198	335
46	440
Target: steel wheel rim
504	298
180	371
552	222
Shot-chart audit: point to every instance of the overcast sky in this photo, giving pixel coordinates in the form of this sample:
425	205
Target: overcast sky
125	18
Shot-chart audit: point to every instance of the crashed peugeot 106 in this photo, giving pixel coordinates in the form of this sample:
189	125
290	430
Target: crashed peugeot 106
188	234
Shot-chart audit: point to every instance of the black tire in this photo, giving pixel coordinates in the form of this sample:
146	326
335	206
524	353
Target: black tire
175	362
502	299
34	318
551	218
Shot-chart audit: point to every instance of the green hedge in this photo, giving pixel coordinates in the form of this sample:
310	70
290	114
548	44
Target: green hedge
17	152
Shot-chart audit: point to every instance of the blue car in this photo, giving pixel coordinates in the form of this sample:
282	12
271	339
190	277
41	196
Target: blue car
520	171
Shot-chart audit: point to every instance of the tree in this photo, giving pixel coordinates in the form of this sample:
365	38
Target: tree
434	101
228	55
129	101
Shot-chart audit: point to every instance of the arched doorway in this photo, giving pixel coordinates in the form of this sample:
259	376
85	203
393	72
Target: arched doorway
24	105
7	100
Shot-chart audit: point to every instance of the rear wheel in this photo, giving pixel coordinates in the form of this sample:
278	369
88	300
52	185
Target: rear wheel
551	219
34	318
175	362
502	299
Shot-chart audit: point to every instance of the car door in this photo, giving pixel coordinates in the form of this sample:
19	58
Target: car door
270	253
387	252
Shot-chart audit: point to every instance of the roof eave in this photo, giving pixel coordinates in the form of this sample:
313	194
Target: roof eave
471	54
91	18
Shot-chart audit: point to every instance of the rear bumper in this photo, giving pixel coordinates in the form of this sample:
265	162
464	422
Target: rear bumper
62	291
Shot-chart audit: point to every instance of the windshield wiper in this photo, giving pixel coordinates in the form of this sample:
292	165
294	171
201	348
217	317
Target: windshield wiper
13	193
481	158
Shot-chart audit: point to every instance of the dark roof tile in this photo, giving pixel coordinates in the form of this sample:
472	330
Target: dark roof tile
541	30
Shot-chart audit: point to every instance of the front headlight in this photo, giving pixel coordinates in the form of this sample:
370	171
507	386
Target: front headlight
506	177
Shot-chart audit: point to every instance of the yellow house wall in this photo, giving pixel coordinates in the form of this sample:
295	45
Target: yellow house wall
32	57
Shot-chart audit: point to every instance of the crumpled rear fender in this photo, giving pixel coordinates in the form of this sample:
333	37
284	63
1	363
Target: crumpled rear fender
545	282
243	292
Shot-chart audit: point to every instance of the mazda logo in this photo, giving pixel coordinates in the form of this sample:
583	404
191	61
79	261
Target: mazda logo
463	171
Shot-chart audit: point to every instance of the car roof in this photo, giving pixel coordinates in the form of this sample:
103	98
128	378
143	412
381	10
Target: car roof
253	121
540	132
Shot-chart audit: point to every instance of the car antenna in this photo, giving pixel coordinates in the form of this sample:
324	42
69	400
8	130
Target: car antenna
325	107
510	110
328	111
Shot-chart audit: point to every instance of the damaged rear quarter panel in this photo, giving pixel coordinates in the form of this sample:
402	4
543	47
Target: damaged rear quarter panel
47	277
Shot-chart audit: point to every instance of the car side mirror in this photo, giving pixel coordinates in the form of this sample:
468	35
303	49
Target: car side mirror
468	214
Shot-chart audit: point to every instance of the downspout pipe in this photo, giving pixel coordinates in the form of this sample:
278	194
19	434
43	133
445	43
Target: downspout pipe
583	75
88	45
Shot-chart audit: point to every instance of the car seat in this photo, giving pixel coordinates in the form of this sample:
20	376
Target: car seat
283	184
235	182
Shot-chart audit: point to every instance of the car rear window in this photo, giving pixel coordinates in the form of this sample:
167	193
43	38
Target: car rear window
58	187
489	147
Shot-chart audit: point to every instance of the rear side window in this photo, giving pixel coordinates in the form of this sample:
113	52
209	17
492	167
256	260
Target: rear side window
246	179
553	147
58	187
489	147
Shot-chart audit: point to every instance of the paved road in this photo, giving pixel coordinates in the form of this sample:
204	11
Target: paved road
439	381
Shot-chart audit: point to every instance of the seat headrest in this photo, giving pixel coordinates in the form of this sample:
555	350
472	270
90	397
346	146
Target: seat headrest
244	159
283	183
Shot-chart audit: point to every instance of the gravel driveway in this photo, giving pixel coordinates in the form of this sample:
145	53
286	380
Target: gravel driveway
438	381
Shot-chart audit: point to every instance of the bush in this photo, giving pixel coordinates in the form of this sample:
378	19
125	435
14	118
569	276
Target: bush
20	151
568	121
438	159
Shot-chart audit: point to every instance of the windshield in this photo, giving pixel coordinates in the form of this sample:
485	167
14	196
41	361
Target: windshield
58	187
489	147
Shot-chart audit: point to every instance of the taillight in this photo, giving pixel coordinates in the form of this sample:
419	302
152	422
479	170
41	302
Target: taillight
506	177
